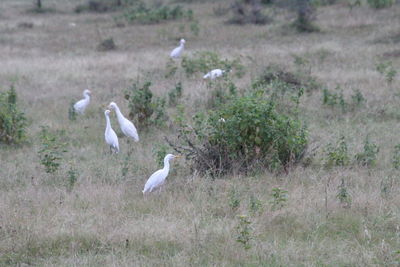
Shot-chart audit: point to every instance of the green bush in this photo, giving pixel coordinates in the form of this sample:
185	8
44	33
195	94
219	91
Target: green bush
12	120
52	149
205	61
370	154
143	107
242	134
337	155
143	14
380	3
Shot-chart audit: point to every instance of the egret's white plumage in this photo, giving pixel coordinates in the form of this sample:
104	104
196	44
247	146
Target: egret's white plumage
126	125
177	52
157	179
109	134
214	74
82	104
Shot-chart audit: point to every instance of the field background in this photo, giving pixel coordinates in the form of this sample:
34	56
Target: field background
105	220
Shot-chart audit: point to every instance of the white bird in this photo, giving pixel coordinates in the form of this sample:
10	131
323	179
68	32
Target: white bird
177	52
126	125
214	74
82	104
157	179
109	134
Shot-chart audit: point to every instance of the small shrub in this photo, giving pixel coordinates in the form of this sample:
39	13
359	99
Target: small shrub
143	107
106	45
369	156
205	61
248	11
387	70
336	99
12	120
396	157
343	195
71	111
305	17
234	199
175	94
279	198
222	91
72	177
380	3
255	204
52	149
337	155
244	133
143	14
244	231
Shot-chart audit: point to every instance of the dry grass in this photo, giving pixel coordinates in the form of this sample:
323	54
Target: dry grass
105	220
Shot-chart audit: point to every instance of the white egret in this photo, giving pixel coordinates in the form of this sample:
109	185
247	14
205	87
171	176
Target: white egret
109	134
126	125
214	74
82	104
177	52
157	179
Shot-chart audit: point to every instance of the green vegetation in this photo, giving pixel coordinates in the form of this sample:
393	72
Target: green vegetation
52	149
12	120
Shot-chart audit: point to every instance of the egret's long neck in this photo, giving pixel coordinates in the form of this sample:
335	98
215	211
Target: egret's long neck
108	124
182	45
86	96
166	165
120	117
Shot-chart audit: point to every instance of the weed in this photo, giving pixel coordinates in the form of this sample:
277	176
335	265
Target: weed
387	186
380	3
72	177
52	149
396	157
245	12
337	155
175	94
343	195
305	17
369	156
145	108
71	111
279	198
244	231
234	199
387	70
170	69
12	120
255	204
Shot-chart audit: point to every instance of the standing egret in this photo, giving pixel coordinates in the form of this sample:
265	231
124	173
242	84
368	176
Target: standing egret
110	136
126	125
177	52
157	179
214	74
82	104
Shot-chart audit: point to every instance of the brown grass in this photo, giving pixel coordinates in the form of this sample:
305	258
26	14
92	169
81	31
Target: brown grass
105	220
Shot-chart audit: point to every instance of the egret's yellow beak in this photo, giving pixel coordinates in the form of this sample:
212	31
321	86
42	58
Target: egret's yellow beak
178	156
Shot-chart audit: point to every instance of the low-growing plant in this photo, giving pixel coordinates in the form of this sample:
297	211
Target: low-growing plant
245	12
234	199
380	3
145	14
336	99
52	149
255	204
305	16
387	70
175	94
337	155
343	195
396	157
72	177
12	120
370	154
222	91
244	231
71	111
279	198
205	61
246	132
143	107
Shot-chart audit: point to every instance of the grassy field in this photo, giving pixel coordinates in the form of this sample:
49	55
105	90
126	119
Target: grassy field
104	220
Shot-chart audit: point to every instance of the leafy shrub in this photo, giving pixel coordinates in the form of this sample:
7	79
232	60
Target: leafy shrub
12	120
175	94
343	195
275	74
336	99
279	198
248	11
205	61
143	14
244	133
52	149
159	151
337	155
369	156
387	70
222	91
380	3
244	231
143	107
305	17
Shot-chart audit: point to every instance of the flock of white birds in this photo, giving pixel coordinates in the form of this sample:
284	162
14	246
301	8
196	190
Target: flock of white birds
157	179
